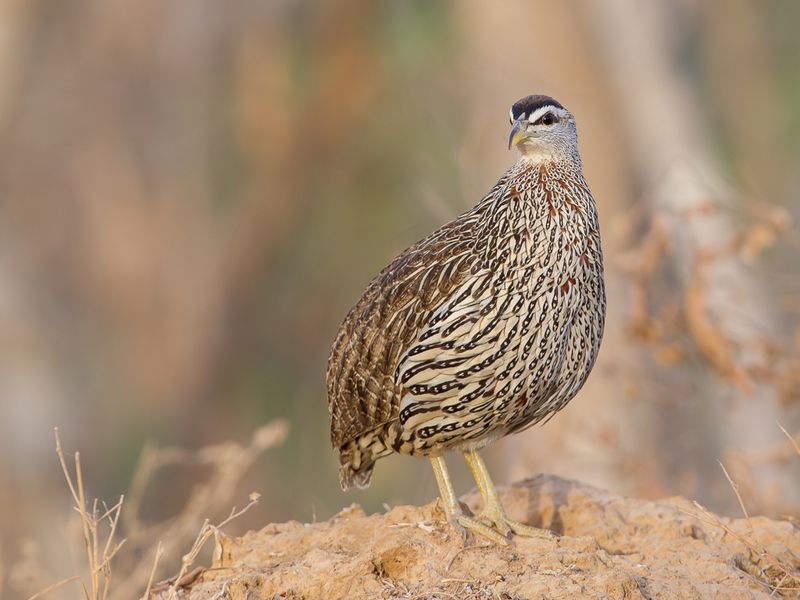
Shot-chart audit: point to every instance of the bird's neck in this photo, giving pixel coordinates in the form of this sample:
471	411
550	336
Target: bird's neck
543	168
538	158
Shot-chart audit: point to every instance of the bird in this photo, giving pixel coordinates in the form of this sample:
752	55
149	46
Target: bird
487	326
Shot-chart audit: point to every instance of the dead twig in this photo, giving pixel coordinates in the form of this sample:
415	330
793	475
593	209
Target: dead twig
791	439
99	552
736	491
149	588
206	531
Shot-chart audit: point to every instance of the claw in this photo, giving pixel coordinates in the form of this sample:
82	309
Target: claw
505	526
472	525
492	523
493	515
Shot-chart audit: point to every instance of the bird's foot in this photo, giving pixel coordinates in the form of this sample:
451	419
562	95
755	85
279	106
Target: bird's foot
473	525
495	518
467	525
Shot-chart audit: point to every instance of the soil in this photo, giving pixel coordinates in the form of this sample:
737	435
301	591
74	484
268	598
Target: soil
606	546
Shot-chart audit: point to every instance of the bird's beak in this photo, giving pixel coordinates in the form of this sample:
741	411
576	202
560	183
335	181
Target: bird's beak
518	133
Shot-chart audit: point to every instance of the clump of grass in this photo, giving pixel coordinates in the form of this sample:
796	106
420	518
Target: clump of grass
98	541
780	574
102	527
184	576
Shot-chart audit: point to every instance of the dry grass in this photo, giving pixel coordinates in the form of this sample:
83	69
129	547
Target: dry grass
779	572
779	456
98	541
794	443
184	576
102	527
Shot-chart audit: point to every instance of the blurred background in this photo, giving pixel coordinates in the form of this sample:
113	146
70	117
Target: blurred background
194	192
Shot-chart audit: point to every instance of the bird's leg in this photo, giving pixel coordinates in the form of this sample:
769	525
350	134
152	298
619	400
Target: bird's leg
452	509
493	511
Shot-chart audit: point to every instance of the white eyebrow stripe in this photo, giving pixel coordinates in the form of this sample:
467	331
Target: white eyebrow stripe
539	112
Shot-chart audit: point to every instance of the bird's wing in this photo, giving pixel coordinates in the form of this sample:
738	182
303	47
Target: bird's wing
364	391
467	357
362	384
471	356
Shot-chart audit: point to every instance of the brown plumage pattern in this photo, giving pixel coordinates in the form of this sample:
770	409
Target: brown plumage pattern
487	326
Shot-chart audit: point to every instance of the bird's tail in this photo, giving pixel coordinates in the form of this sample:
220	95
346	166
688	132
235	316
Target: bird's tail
357	460
349	477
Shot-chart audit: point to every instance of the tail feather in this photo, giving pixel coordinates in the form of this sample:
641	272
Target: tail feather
357	460
349	477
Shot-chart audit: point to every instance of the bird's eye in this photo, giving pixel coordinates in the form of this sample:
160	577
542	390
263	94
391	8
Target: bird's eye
546	119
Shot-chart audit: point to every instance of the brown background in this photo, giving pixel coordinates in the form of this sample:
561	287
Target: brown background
193	192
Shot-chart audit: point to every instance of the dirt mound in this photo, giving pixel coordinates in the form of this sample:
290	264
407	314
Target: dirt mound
607	547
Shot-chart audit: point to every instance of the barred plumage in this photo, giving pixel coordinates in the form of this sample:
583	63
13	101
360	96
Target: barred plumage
485	327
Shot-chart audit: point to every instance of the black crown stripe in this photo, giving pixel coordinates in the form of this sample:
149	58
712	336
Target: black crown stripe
530	104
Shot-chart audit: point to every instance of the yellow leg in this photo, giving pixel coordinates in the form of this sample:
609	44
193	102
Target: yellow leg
493	512
452	509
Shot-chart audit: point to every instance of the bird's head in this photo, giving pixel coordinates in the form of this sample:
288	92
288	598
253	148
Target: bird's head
542	129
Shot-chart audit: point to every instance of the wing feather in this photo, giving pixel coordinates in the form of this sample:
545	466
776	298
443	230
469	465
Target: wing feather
398	310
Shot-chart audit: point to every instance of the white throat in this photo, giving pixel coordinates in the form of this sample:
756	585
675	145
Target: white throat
536	154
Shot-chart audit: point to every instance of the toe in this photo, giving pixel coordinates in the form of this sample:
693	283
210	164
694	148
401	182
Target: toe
498	524
475	526
523	530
